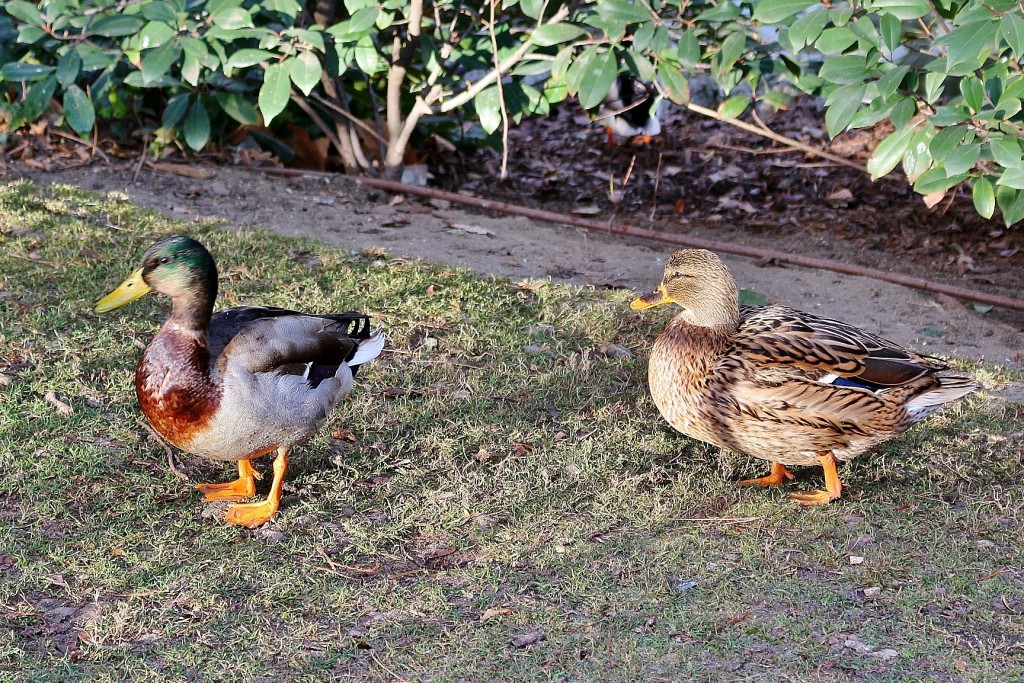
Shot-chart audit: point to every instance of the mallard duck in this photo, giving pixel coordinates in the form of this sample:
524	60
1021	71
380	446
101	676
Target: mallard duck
243	383
631	109
780	384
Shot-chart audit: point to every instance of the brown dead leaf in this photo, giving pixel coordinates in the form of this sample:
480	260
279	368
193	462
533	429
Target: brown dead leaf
482	454
197	172
530	286
63	407
934	198
527	639
494	612
522	449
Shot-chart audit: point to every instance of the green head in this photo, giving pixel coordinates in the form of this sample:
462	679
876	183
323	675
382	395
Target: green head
177	266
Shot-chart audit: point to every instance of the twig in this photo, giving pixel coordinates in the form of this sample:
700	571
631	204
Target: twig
657	184
355	120
501	93
142	157
171	465
765	131
672	238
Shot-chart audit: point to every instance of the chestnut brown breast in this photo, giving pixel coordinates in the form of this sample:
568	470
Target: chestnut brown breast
174	389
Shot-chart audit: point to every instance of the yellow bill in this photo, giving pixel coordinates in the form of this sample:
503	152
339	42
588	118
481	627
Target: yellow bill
655	298
131	289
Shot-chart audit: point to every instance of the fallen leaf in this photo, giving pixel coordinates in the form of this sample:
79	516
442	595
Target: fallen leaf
472	229
871	591
856	559
185	170
586	210
528	638
843	195
493	612
482	455
62	407
934	198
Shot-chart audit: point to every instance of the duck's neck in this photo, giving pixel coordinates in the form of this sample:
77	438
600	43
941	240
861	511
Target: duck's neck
192	311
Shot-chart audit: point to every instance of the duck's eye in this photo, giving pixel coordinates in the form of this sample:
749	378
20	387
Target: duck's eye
165	259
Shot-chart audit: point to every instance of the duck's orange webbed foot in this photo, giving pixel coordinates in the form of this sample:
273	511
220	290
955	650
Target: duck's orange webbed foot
252	515
243	487
833	487
776	477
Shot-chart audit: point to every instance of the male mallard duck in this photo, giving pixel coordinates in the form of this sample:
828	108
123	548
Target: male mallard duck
781	384
631	109
241	383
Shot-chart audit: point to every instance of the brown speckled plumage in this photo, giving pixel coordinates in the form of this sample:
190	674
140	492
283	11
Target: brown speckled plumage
777	383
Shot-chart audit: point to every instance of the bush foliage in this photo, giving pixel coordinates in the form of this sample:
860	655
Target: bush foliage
946	75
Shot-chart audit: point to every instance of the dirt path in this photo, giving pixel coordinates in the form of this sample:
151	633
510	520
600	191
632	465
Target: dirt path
341	213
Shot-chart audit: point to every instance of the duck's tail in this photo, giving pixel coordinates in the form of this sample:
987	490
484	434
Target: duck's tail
949	389
368	349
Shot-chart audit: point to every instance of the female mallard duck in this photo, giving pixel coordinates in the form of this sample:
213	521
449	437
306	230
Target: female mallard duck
241	383
780	384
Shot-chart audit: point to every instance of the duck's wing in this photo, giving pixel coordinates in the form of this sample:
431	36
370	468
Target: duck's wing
778	339
269	339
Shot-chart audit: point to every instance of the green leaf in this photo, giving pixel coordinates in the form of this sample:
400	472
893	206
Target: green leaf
1012	177
175	110
890	27
749	297
901	9
984	197
305	71
962	159
888	83
190	69
238	107
38	98
20	71
68	68
155	34
157	10
835	40
918	158
807	28
973	92
889	152
1012	30
597	79
622	11
688	49
560	65
367	57
28	34
731	50
557	34
241	59
948	116
488	108
197	126
774	11
966	42
902	111
675	83
946	140
936	180
231	19
733	107
845	69
116	26
933	86
274	92
983	308
78	110
531	8
843	104
1011	203
157	62
27	12
1006	151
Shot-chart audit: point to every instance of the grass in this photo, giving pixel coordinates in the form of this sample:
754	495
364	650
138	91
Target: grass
497	502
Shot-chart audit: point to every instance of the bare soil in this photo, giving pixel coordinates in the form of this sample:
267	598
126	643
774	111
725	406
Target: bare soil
700	177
